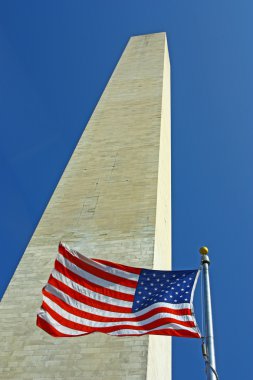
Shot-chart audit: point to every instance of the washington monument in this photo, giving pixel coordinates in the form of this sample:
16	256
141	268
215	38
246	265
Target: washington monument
112	202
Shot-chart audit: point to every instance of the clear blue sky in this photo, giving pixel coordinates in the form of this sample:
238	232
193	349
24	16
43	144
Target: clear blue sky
56	58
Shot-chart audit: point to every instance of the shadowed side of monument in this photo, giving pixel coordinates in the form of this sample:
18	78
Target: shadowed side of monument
112	202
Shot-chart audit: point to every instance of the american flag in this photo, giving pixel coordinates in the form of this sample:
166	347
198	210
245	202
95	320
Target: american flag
85	295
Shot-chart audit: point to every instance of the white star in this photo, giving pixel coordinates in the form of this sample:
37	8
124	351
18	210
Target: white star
144	297
148	278
146	288
186	292
155	288
170	296
153	274
164	276
182	290
158	280
138	301
139	292
178	284
151	284
161	284
165	299
149	293
175	300
186	299
184	281
142	283
173	275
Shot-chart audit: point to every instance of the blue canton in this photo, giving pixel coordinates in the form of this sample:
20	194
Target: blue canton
163	286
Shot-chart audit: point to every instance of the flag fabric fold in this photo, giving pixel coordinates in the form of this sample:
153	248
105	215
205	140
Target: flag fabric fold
85	295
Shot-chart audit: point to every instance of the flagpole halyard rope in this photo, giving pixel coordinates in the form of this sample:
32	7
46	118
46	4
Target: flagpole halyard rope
205	356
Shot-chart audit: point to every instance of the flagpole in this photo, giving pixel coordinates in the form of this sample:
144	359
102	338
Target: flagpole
209	351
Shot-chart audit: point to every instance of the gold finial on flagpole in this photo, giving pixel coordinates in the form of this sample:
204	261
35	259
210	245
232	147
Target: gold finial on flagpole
203	251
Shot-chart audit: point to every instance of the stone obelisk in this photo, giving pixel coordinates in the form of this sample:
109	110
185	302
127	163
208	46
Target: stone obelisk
112	202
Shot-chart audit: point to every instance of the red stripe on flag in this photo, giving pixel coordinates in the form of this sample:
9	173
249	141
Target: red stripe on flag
98	318
86	300
179	333
125	268
50	329
169	332
95	271
90	285
82	327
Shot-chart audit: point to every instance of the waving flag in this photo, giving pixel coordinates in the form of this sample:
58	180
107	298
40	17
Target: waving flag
85	295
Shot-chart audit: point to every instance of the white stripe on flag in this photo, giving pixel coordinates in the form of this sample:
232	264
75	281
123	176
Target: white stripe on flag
87	322
94	279
104	313
66	330
62	329
105	268
89	293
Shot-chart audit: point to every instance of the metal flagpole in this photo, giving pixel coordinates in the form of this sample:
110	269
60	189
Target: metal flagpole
208	345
